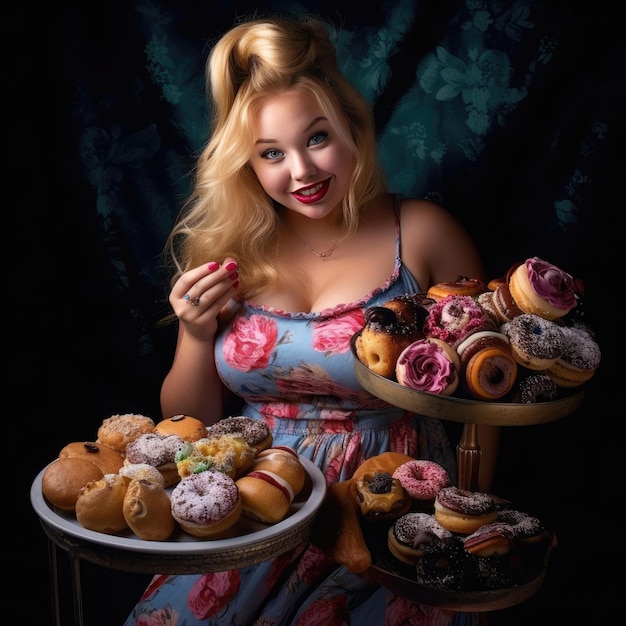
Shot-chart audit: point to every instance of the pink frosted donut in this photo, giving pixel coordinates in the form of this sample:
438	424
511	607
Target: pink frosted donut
422	479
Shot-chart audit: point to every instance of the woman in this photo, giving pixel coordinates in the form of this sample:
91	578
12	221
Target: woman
288	236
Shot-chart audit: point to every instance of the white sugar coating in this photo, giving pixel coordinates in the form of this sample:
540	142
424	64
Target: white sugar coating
153	449
522	524
581	349
535	336
419	529
204	498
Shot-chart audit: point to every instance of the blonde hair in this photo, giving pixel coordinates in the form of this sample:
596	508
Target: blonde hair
228	213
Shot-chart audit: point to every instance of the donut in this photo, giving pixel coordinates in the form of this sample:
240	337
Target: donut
504	304
381	497
579	360
447	565
63	479
462	286
462	511
485	302
186	427
411	533
207	504
106	458
535	387
148	511
256	433
543	289
489	539
142	471
525	528
228	453
429	365
422	479
536	343
157	450
454	318
100	504
118	431
387	331
487	365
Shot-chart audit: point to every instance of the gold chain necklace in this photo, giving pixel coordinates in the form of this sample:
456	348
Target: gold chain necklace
322	255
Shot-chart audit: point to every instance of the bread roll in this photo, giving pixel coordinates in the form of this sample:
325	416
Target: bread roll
100	504
186	427
63	479
147	510
106	458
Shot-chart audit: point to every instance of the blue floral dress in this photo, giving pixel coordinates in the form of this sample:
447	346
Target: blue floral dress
296	372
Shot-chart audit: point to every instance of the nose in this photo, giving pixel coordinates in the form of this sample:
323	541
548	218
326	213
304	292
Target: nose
302	167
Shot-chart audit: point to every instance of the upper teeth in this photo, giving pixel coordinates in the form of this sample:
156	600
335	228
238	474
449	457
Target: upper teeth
311	190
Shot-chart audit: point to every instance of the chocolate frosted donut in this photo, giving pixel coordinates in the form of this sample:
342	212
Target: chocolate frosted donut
536	387
412	532
579	361
462	511
536	342
256	433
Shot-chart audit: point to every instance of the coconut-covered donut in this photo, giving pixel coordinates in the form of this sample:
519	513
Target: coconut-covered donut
462	511
579	361
255	432
462	286
381	497
487	365
207	504
543	289
422	479
411	533
429	365
454	318
536	343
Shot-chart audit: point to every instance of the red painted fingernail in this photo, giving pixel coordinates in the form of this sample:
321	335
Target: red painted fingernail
230	266
213	266
234	276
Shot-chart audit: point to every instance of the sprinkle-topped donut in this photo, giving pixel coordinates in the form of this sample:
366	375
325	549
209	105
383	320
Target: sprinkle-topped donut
422	479
255	432
522	525
462	511
411	533
579	361
536	342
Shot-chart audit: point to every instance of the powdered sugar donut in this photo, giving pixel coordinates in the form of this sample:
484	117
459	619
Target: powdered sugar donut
462	511
422	479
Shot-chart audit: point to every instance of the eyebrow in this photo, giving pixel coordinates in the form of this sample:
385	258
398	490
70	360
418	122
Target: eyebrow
311	124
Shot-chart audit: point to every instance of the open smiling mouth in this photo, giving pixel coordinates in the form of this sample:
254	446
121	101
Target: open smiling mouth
311	194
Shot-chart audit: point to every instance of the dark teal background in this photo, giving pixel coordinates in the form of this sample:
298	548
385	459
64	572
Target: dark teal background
506	113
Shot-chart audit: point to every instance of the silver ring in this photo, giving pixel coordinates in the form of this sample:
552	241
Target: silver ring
193	301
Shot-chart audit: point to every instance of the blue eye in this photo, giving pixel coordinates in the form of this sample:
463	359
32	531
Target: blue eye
272	154
318	138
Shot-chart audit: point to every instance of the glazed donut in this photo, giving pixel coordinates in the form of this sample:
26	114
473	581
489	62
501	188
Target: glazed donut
535	387
411	533
454	318
388	330
207	504
100	504
186	427
541	288
157	450
504	304
63	479
462	286
106	458
381	497
256	433
487	365
422	479
429	365
462	511
579	361
148	511
536	343
118	431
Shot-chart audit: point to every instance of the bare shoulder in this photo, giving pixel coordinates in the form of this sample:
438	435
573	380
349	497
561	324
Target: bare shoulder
435	246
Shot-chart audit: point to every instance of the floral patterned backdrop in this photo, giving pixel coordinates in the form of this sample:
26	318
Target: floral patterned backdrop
506	113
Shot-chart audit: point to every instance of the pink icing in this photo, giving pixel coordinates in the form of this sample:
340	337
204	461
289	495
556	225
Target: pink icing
422	479
551	283
423	366
454	318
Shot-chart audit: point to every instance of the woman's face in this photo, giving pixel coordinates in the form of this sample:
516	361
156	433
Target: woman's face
300	161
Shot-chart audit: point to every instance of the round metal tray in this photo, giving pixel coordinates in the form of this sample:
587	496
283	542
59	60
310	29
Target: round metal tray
461	409
251	541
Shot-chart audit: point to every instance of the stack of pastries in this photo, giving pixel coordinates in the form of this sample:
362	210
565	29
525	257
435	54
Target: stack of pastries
151	478
518	338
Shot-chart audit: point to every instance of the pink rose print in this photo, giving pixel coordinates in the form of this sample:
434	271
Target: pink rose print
212	592
158	617
331	612
278	409
402	611
250	343
333	336
313	564
279	564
